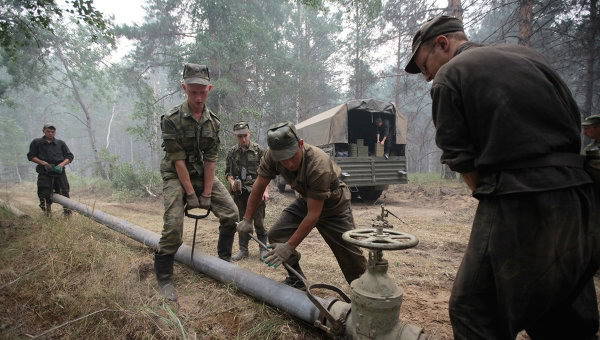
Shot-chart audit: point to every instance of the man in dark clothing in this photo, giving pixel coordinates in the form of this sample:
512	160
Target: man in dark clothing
382	134
51	156
508	123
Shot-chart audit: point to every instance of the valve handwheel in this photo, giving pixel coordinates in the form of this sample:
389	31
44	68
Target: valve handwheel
380	239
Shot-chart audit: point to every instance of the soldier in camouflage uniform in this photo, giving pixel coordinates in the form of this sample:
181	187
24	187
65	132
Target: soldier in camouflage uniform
591	128
190	134
241	172
324	203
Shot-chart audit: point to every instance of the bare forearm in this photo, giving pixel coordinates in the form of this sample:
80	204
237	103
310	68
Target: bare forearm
65	162
307	224
258	188
38	161
209	178
184	176
471	179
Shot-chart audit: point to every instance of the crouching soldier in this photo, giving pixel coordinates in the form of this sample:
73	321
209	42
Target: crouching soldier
190	134
51	156
241	172
324	203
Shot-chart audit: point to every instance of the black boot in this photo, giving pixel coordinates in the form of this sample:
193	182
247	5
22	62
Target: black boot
294	281
225	244
163	266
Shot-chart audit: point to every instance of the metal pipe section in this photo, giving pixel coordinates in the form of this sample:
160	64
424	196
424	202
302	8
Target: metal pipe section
14	210
288	299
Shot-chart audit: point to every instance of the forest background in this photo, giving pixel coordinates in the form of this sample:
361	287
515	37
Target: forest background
269	60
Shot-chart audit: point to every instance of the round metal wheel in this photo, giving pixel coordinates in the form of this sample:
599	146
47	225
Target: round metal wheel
387	240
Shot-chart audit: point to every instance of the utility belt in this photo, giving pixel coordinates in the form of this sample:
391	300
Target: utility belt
571	160
589	162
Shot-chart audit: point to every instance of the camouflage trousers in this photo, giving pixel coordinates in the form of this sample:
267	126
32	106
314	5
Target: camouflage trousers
222	206
51	183
331	228
529	265
259	219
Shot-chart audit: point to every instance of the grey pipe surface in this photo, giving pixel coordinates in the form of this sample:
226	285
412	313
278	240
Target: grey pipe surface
288	299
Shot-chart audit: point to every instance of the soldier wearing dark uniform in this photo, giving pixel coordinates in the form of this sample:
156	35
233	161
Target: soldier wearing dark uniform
51	156
507	122
190	134
241	171
324	203
591	128
382	134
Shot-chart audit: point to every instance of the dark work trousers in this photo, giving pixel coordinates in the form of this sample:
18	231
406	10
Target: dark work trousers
331	228
529	266
48	183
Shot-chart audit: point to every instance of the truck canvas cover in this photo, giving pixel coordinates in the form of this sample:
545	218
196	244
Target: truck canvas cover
331	126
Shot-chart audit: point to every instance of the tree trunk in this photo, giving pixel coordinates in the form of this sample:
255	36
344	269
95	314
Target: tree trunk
525	22
88	116
590	44
455	9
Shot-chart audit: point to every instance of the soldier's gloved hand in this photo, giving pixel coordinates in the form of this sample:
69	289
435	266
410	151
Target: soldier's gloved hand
48	167
280	253
58	169
245	226
192	201
204	202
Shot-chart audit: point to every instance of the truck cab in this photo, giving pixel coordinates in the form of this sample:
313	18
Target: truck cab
347	133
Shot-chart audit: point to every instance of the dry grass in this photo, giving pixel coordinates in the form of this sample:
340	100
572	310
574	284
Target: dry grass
86	267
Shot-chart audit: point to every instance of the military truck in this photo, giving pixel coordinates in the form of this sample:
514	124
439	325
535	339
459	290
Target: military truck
347	133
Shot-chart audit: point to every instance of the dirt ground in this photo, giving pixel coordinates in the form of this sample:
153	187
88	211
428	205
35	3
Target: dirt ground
440	215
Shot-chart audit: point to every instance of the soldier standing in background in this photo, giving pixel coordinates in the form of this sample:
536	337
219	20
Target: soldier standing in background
51	156
241	172
190	134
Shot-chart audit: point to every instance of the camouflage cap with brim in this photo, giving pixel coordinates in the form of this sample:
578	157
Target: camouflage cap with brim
241	128
591	120
433	27
196	74
48	126
282	140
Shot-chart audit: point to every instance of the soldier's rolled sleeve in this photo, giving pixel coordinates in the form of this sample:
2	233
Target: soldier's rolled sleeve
267	167
452	132
33	150
67	153
211	154
319	187
173	150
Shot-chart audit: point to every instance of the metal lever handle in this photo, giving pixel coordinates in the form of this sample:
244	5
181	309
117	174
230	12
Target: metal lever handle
194	216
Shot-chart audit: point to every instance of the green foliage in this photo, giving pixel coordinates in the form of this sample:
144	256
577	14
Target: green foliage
135	179
14	145
22	21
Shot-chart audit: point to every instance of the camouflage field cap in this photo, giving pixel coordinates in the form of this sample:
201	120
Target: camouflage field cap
430	29
282	140
48	126
196	74
591	120
241	128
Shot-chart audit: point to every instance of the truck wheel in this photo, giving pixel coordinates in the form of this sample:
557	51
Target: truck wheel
370	195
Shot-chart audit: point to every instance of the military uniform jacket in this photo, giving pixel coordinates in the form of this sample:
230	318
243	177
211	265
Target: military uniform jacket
239	159
317	178
595	145
53	152
184	138
497	106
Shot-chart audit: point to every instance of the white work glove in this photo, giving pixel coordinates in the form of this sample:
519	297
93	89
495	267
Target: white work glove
280	253
245	226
